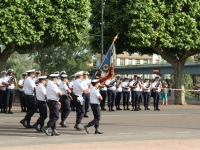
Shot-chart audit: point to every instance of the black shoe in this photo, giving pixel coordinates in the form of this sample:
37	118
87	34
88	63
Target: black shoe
157	109
136	109
104	109
112	109
10	112
79	127
23	122
97	131
54	132
63	124
46	130
86	129
86	116
119	108
139	108
128	109
4	111
29	126
148	108
124	108
36	127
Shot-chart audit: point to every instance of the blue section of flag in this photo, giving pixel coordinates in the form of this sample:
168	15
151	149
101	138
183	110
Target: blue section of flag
106	61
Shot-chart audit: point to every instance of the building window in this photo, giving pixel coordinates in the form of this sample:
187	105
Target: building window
122	62
145	61
137	61
130	62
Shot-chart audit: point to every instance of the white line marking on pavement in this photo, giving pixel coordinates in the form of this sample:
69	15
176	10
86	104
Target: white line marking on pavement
154	132
184	132
125	133
29	137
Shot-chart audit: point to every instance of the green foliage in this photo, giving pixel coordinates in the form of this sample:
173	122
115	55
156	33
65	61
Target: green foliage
167	27
68	58
188	82
20	63
25	22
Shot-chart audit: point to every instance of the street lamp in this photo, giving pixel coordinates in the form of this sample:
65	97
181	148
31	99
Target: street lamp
102	25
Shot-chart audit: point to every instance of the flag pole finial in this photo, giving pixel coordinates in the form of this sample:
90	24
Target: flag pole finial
115	38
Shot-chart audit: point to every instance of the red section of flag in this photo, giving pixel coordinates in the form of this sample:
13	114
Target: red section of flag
109	75
156	70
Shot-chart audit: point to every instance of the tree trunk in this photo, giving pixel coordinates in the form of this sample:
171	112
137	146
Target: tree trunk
3	61
179	83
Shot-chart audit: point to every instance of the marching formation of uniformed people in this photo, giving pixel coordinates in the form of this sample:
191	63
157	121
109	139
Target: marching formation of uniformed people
62	96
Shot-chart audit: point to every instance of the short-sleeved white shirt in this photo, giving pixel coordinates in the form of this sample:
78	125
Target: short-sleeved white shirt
29	85
103	89
154	84
4	79
63	87
112	87
12	86
125	84
134	89
40	92
21	82
1	83
94	94
52	91
145	84
78	87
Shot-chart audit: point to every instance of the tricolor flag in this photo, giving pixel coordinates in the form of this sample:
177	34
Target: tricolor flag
107	66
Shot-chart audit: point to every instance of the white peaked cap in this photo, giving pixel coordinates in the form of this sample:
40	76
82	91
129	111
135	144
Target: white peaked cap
10	70
95	81
63	76
54	75
2	72
79	73
33	70
42	77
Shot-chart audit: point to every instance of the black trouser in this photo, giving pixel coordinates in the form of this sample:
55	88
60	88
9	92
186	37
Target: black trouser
111	98
126	97
140	98
72	102
87	102
103	101
97	115
146	96
80	110
135	99
53	113
65	107
42	106
117	99
22	100
10	93
2	99
156	99
31	107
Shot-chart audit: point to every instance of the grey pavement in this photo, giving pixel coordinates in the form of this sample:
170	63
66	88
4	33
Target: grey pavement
122	130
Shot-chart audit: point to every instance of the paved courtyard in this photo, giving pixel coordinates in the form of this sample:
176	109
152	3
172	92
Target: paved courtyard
174	128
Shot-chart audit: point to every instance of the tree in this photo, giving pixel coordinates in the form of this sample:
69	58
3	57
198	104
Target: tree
21	63
68	58
170	28
27	26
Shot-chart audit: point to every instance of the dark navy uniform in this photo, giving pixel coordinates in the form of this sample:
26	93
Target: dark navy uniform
156	86
146	93
126	94
95	98
111	91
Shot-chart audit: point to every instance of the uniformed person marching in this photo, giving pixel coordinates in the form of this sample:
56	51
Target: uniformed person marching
86	96
156	86
41	103
103	92
21	92
3	91
95	98
111	91
29	90
72	102
146	86
79	89
126	93
65	100
53	94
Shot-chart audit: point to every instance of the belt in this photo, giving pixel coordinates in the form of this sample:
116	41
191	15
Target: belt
30	94
51	100
41	100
